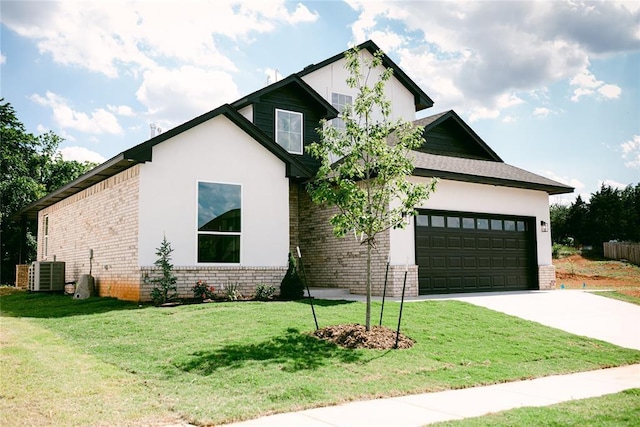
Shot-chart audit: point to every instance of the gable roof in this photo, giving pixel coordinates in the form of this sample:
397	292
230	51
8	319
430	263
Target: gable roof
489	169
143	152
292	80
453	121
421	99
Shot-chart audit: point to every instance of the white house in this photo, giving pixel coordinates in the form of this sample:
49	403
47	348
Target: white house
227	189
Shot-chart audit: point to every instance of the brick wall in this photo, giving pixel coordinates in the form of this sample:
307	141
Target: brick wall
294	216
103	217
547	277
246	278
341	262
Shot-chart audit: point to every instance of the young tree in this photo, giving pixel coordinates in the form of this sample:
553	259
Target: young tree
166	289
368	185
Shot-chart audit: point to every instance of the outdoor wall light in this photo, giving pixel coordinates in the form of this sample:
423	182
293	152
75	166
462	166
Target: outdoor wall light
544	227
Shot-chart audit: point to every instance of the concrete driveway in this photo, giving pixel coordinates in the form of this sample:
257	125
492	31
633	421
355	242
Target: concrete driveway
578	312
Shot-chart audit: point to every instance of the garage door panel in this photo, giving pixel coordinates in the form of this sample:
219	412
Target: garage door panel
455	262
482	252
483	243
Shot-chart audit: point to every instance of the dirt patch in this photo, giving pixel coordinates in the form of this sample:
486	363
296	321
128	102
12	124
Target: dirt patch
356	336
576	271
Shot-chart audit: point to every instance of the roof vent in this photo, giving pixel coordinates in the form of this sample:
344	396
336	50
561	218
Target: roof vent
154	130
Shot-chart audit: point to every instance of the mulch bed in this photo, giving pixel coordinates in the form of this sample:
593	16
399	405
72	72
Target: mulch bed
356	336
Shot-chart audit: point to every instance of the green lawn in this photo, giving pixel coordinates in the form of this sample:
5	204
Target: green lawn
615	410
620	296
220	362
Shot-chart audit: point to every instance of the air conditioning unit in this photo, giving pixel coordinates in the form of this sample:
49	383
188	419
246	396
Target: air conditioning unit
46	276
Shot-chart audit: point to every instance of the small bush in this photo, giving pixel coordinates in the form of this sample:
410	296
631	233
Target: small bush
166	289
231	292
202	290
264	292
292	287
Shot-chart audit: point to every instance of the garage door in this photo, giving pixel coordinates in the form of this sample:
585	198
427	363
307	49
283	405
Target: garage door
471	252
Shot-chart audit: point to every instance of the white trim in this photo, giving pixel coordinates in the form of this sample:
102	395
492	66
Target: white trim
229	233
301	129
45	234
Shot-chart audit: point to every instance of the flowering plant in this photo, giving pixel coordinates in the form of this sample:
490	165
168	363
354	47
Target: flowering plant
202	290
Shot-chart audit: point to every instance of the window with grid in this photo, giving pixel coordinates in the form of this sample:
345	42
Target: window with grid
289	130
219	222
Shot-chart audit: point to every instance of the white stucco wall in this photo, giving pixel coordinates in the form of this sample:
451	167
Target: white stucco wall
214	151
480	198
333	77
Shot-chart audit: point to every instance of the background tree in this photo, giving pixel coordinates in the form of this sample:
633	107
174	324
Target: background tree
30	167
559	215
610	214
368	184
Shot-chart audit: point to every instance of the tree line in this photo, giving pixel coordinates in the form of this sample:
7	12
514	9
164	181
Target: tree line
610	214
31	166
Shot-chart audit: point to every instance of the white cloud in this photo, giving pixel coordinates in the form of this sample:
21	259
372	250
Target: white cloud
98	121
612	183
110	37
563	179
610	91
587	85
175	95
3	58
631	151
489	50
541	112
121	110
81	154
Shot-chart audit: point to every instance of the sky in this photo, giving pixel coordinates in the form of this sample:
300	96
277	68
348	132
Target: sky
552	86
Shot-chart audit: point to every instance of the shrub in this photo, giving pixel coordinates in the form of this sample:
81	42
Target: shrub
231	292
264	292
166	289
202	290
291	287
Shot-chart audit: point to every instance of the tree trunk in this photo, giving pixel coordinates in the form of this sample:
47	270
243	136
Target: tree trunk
368	315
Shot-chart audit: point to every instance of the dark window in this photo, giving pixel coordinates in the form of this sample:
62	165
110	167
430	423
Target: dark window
468	223
483	224
509	225
496	224
219	222
422	220
522	226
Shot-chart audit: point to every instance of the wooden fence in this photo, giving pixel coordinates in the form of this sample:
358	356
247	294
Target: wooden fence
622	250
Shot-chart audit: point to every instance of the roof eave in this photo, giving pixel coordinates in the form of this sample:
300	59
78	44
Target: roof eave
500	182
101	172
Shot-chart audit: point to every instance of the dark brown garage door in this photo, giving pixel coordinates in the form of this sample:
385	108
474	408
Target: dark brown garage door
471	252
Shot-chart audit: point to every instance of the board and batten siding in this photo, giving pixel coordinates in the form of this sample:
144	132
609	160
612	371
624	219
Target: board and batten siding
214	151
333	78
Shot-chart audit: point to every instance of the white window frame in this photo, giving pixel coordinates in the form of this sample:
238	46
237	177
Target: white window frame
338	123
219	233
45	234
301	129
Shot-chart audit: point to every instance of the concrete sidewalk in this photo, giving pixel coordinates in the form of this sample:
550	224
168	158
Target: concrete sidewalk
422	409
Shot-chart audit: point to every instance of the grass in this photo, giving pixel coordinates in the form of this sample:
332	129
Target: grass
619	409
621	296
215	363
